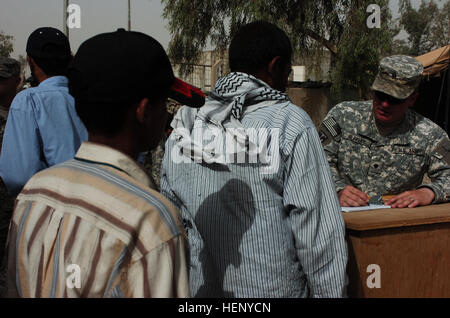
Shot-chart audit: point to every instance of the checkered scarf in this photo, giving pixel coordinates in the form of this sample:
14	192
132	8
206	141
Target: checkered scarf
233	96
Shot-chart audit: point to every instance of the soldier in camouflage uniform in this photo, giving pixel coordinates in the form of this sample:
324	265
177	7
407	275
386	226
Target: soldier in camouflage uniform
9	81
382	147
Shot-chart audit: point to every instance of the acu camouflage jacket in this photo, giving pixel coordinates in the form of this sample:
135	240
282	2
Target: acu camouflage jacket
385	165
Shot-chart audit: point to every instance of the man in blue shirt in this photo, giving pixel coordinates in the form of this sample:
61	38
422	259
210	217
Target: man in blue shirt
43	128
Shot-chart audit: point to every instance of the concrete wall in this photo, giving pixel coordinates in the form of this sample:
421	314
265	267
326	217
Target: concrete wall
313	100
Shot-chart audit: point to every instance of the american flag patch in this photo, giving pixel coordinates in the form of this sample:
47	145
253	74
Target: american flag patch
332	126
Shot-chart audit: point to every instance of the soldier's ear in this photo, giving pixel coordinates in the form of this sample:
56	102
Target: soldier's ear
413	98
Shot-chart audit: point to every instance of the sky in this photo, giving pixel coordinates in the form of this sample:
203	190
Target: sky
20	17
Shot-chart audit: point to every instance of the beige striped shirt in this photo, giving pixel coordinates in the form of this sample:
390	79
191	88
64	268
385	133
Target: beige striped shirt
92	227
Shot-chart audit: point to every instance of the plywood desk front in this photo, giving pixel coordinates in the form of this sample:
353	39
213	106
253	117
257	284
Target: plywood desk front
404	252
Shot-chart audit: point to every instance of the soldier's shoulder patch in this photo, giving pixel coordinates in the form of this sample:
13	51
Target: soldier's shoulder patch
332	127
329	129
442	150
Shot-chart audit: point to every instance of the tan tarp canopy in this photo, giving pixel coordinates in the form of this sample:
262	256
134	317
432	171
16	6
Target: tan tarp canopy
435	61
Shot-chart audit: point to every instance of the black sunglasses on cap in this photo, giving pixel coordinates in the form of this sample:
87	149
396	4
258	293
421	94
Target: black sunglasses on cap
386	97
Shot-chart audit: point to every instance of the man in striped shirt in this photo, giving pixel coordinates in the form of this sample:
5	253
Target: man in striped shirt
93	226
253	184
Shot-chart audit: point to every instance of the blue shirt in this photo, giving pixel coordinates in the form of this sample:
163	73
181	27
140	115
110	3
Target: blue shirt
43	129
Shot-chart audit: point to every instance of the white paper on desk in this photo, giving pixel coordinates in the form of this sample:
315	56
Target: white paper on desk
364	208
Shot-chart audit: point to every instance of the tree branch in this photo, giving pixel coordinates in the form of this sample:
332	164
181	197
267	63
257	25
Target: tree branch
328	44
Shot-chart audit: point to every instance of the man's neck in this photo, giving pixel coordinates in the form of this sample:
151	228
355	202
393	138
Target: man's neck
387	129
42	77
119	142
39	74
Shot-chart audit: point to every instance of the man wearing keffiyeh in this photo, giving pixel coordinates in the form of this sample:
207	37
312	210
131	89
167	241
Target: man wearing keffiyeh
255	232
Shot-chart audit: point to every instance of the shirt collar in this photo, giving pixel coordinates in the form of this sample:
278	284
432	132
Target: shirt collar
102	154
55	81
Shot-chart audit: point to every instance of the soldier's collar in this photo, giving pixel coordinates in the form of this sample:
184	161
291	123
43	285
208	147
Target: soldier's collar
373	131
401	130
405	127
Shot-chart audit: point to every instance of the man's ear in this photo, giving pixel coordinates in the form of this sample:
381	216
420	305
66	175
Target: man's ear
29	60
413	98
142	111
274	66
32	65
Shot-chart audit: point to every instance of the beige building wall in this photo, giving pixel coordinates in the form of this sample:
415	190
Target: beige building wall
211	66
314	101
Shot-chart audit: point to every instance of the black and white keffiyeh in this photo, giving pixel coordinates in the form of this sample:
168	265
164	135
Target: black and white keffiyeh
233	96
241	88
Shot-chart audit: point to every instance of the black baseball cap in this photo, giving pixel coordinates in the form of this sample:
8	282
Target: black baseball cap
125	66
48	43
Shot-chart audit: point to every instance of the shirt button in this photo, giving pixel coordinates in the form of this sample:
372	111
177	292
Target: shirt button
376	165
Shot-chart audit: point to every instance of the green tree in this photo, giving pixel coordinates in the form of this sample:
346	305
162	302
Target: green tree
338	26
6	44
360	50
427	27
23	65
440	27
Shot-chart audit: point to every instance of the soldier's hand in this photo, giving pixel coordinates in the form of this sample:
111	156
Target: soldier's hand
412	199
350	196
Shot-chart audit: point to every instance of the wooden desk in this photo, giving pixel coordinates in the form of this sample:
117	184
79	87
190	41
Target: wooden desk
411	247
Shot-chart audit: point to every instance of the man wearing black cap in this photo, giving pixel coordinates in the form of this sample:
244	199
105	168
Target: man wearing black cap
43	128
116	235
